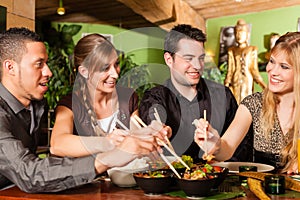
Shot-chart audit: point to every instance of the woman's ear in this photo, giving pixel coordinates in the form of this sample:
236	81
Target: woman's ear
83	71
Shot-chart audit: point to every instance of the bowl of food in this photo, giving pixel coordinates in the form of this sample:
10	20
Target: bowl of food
123	176
196	182
220	173
154	182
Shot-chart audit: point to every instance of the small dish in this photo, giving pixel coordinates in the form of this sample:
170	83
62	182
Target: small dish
234	166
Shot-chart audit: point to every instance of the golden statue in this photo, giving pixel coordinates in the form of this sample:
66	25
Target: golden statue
242	64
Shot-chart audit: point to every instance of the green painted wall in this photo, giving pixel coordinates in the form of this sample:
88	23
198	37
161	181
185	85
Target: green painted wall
146	45
263	23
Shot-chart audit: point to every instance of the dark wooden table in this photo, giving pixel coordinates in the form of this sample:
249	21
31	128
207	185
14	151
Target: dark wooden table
100	190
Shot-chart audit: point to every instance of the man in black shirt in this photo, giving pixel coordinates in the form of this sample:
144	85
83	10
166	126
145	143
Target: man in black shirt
186	95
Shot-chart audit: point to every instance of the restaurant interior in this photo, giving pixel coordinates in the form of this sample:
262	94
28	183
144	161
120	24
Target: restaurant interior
137	29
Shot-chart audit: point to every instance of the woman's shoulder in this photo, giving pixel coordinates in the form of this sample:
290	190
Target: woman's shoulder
66	100
254	99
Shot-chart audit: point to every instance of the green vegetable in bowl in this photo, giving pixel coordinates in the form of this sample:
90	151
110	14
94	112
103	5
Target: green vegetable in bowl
157	174
208	168
187	159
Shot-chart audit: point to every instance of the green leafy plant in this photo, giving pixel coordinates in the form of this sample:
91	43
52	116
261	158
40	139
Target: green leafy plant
211	71
60	46
133	75
223	69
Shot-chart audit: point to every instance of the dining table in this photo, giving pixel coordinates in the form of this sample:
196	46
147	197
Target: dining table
104	189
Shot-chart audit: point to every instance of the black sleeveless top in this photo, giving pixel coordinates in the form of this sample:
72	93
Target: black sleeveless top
128	103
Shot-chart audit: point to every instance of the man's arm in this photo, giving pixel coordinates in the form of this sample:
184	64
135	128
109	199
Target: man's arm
32	174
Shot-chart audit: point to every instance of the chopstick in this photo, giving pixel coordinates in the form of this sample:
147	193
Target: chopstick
136	118
173	153
170	165
135	122
156	115
205	133
122	125
139	120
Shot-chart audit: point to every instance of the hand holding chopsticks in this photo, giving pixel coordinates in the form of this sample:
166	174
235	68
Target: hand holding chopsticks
206	137
173	153
170	165
157	117
136	119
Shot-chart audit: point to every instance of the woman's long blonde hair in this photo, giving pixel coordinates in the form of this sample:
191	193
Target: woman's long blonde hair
92	52
288	44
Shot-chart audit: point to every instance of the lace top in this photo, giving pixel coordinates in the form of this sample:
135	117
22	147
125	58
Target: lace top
277	139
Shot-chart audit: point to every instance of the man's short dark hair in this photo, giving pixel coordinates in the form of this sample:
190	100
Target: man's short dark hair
13	43
182	31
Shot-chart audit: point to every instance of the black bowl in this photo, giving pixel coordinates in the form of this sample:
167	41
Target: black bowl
153	185
220	176
196	188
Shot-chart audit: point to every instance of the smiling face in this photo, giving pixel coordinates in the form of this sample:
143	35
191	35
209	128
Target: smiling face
187	64
280	74
31	75
105	78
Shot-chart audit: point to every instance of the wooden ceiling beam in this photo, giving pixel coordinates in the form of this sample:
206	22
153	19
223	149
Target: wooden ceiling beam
166	14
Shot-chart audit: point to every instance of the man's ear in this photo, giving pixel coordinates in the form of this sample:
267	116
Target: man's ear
83	71
9	67
168	59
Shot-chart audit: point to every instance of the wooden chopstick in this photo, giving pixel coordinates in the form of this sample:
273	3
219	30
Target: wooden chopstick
122	125
170	165
136	119
135	122
205	134
157	117
173	153
140	120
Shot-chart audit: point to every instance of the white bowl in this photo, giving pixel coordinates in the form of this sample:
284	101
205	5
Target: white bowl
123	176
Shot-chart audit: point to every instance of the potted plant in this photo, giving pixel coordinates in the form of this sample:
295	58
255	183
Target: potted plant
133	75
60	46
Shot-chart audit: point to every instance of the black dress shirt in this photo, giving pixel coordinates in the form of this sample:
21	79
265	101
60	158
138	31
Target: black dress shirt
178	112
18	161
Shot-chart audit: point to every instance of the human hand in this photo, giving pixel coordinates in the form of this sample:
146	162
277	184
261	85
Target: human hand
153	129
206	137
162	130
132	147
117	136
